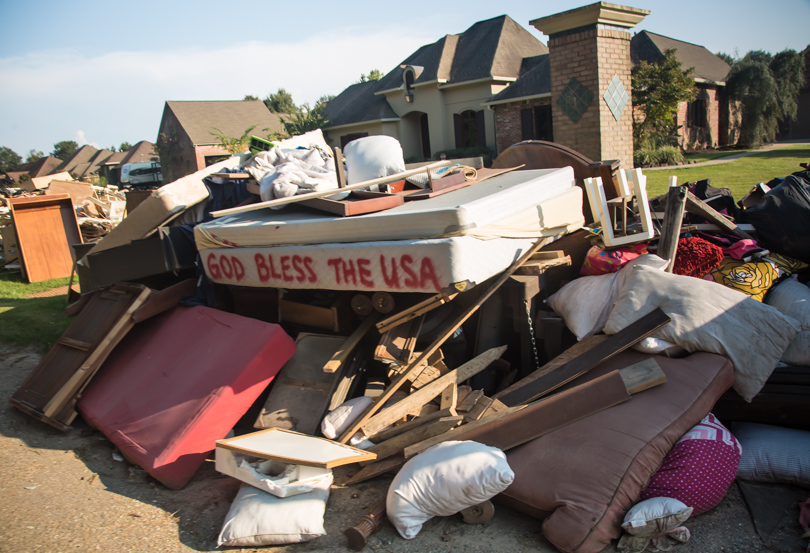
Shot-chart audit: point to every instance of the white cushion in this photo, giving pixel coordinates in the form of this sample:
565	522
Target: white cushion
773	453
707	316
792	298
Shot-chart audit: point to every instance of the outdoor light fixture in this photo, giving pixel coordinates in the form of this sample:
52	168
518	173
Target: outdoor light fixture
409	97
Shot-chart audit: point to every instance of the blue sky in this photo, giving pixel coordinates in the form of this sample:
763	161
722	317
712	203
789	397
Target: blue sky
100	72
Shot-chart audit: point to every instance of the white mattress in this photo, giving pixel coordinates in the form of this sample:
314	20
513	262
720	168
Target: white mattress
512	196
428	266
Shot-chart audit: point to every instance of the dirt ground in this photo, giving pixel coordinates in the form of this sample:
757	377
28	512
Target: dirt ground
69	492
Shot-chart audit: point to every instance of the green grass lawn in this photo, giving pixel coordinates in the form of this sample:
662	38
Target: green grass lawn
739	175
27	321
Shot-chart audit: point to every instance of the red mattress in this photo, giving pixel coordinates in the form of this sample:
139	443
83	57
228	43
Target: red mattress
180	381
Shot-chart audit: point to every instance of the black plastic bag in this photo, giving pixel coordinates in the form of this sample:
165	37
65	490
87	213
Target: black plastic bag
782	217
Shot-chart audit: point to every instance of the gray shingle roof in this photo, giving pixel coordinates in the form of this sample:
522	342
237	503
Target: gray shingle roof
535	79
79	158
232	118
142	151
43	166
491	48
650	47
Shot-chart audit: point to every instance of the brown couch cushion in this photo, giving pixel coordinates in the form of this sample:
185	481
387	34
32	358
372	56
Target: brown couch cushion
582	479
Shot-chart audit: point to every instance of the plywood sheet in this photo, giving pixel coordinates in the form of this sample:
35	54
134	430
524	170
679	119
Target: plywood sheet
46	229
295	448
302	391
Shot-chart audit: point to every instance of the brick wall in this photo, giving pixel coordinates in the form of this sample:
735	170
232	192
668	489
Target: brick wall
593	57
508	125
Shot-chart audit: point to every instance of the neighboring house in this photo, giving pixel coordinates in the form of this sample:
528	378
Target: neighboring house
41	167
187	140
433	101
704	121
492	85
141	151
79	161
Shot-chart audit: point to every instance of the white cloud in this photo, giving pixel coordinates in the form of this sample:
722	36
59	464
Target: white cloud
81	140
119	96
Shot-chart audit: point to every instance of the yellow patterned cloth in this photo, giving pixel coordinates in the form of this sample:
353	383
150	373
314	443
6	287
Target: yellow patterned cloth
749	277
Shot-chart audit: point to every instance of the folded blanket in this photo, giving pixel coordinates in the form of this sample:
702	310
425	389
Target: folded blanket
282	173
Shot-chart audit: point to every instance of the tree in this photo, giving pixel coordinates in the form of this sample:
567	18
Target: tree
250	97
280	102
234	145
9	159
64	149
373	75
304	119
765	89
124	147
658	88
34	155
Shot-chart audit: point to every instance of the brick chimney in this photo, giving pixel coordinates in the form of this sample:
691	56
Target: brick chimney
589	55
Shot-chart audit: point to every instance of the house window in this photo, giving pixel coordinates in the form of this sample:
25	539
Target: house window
535	123
469	127
696	113
424	131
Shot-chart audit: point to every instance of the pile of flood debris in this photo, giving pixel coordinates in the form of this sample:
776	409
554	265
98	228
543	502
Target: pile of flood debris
549	339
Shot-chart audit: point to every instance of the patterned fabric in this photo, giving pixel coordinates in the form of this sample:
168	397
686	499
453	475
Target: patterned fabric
600	262
753	277
696	257
699	468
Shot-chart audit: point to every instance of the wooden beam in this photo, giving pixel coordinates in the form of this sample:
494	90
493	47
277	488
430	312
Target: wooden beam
700	208
341	355
331	192
440	339
391	414
389	433
673	219
371	471
396	444
631	334
449	397
516	425
414	311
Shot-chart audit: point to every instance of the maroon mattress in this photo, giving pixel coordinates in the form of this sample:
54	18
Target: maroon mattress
180	381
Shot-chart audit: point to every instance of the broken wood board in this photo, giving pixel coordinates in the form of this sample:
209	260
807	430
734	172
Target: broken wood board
391	464
51	391
357	202
437	343
78	191
323	193
456	181
398	429
467	402
519	424
398	344
302	391
414	311
391	414
538	266
484	407
46	228
615	343
341	356
295	448
698	207
395	445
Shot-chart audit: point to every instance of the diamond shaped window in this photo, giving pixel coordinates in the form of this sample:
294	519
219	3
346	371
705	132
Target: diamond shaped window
616	97
575	99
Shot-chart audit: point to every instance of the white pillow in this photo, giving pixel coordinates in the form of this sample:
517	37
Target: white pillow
443	480
257	518
586	303
707	316
792	298
340	418
656	521
372	157
773	454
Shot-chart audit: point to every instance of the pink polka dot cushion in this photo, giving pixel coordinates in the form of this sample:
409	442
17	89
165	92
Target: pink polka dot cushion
699	468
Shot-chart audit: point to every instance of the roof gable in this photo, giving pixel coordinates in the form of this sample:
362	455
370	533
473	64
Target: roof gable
535	80
650	47
79	158
232	118
142	151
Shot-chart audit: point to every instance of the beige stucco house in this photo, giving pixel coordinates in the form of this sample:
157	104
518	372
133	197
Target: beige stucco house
434	100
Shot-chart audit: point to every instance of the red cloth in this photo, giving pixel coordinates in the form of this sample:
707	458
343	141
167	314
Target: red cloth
696	257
